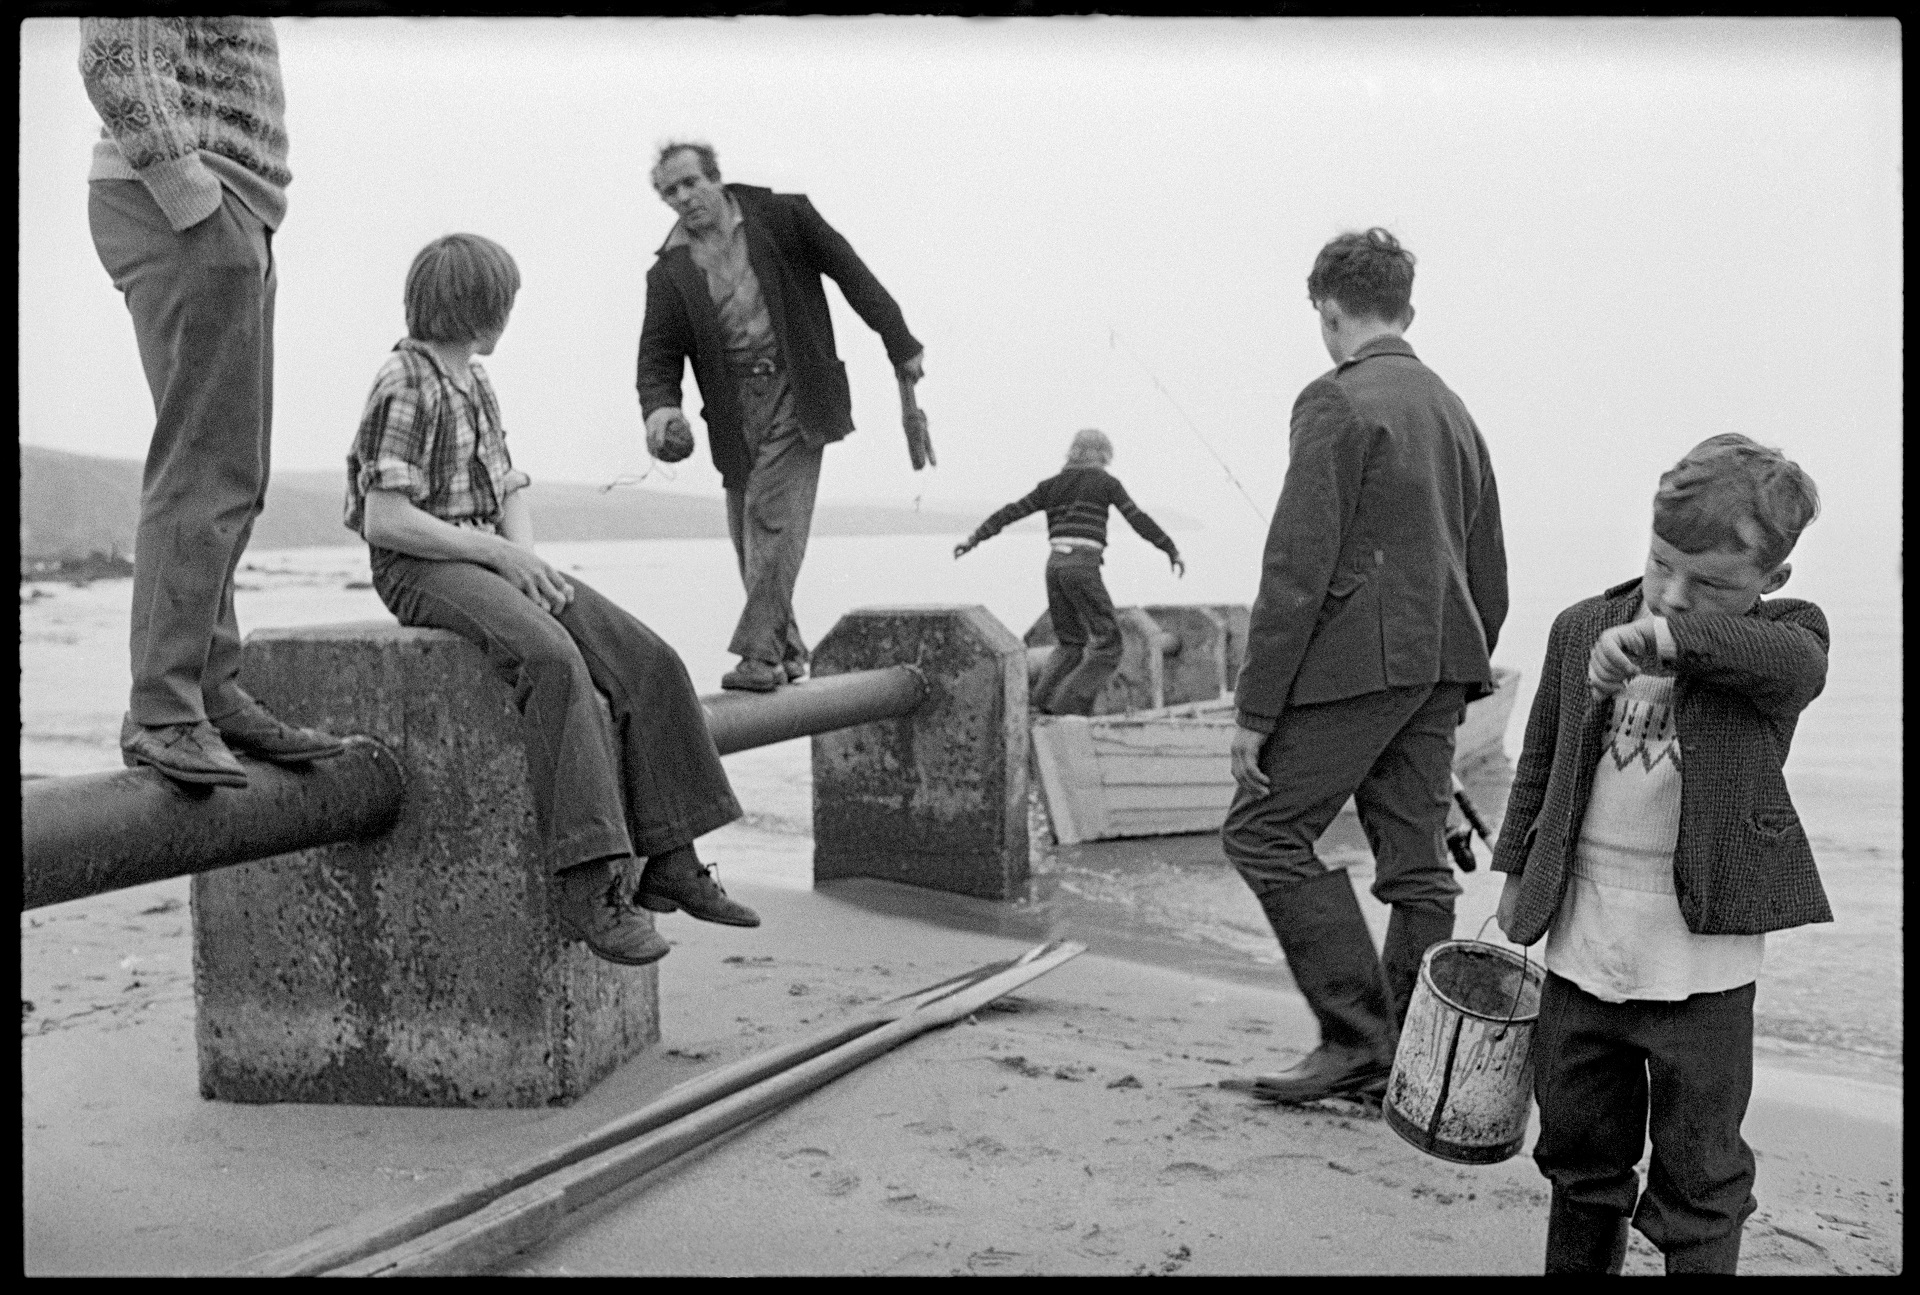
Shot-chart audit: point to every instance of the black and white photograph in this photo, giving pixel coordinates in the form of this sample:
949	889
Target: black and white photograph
776	645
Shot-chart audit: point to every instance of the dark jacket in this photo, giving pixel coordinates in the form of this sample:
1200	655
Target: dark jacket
1384	566
1742	864
1076	499
789	247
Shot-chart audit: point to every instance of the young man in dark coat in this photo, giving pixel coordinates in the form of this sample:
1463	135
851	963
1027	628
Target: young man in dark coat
737	290
1383	588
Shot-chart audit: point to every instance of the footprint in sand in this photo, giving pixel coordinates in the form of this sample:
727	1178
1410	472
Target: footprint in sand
911	1203
1187	1171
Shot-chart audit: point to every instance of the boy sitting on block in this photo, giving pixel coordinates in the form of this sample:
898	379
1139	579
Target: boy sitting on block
1649	836
445	516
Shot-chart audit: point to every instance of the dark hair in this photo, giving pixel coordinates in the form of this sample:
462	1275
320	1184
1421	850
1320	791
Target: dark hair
709	160
1730	492
461	287
1366	274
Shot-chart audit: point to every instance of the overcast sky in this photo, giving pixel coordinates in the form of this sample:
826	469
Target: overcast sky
1632	234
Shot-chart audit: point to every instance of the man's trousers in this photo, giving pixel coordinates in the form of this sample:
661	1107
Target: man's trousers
1609	1075
1086	630
770	517
651	783
202	307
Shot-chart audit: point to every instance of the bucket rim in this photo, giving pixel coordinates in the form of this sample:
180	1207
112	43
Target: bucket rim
1531	973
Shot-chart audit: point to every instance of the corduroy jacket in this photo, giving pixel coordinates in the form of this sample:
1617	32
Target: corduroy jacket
1742	865
790	247
1384	565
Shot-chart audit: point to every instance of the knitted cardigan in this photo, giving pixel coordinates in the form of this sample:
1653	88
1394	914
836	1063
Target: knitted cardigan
185	104
1742	864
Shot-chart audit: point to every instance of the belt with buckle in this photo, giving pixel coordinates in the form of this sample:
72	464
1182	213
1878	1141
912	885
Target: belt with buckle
759	366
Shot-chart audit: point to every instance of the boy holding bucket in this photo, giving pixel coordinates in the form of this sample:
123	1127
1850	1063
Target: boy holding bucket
1655	903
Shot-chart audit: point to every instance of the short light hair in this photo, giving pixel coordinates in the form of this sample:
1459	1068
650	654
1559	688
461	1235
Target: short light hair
1732	493
1368	275
709	160
461	287
1090	448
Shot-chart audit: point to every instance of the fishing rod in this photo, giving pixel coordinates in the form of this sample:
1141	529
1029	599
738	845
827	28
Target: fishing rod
1114	342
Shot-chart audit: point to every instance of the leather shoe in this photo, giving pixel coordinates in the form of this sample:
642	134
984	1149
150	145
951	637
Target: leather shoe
754	676
678	879
1327	1071
591	910
184	752
795	668
254	730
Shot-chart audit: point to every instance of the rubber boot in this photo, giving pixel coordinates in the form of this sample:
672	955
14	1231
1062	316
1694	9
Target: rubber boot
1411	931
1585	1240
1330	954
1720	1255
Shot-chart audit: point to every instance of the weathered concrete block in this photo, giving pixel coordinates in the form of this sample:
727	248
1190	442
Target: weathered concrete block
424	968
1197	670
1139	683
937	798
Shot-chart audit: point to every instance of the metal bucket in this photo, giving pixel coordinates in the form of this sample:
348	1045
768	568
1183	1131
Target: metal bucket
1462	1078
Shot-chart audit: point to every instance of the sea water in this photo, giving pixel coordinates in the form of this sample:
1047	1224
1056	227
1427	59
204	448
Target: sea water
1828	986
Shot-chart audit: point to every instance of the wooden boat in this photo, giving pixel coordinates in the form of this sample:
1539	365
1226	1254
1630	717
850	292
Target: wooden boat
1160	772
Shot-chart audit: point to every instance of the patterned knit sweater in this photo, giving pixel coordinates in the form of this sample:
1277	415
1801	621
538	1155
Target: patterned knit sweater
1076	501
189	105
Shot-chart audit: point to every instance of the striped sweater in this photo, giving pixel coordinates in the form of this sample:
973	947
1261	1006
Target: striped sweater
1076	501
189	106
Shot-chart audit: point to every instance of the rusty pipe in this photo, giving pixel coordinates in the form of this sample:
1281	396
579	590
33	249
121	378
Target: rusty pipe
98	832
740	721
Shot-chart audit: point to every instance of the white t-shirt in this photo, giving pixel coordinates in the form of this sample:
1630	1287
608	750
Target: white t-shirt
1618	933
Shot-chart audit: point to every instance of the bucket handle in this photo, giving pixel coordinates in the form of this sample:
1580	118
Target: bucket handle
1518	989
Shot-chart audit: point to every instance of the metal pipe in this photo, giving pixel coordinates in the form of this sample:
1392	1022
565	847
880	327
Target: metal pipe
98	832
740	721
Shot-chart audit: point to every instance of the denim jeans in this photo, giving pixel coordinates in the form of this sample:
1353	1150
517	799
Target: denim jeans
1086	631
650	783
1609	1075
202	305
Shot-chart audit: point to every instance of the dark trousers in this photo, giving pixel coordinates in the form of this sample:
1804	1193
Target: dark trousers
1607	1075
202	307
1086	631
1392	751
770	517
650	783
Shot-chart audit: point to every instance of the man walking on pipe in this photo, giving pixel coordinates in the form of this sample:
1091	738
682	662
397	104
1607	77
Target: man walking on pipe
1382	591
737	290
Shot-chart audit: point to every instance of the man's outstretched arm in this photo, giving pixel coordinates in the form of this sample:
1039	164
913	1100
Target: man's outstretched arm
837	260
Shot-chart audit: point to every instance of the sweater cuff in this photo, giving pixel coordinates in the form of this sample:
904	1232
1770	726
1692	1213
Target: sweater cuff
1257	723
184	188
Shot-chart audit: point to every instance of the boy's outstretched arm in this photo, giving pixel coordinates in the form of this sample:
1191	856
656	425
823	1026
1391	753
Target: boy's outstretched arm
1013	512
1146	528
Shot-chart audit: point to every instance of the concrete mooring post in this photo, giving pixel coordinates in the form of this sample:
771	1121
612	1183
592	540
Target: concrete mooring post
425	967
936	798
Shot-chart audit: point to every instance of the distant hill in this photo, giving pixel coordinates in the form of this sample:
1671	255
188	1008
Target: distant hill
72	505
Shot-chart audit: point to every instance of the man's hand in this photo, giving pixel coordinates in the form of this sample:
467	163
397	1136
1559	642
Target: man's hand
915	369
1179	567
1247	745
1509	901
963	548
1619	654
669	439
528	572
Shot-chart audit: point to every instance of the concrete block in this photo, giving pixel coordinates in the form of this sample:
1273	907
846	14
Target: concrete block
1236	616
1139	683
1197	669
423	968
937	798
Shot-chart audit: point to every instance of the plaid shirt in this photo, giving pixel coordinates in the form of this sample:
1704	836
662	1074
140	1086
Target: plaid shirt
421	435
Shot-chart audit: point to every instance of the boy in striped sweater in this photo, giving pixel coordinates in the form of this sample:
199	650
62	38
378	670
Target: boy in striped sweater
1076	500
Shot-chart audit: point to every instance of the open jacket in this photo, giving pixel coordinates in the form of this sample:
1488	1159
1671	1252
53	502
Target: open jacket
790	247
1384	565
1742	865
